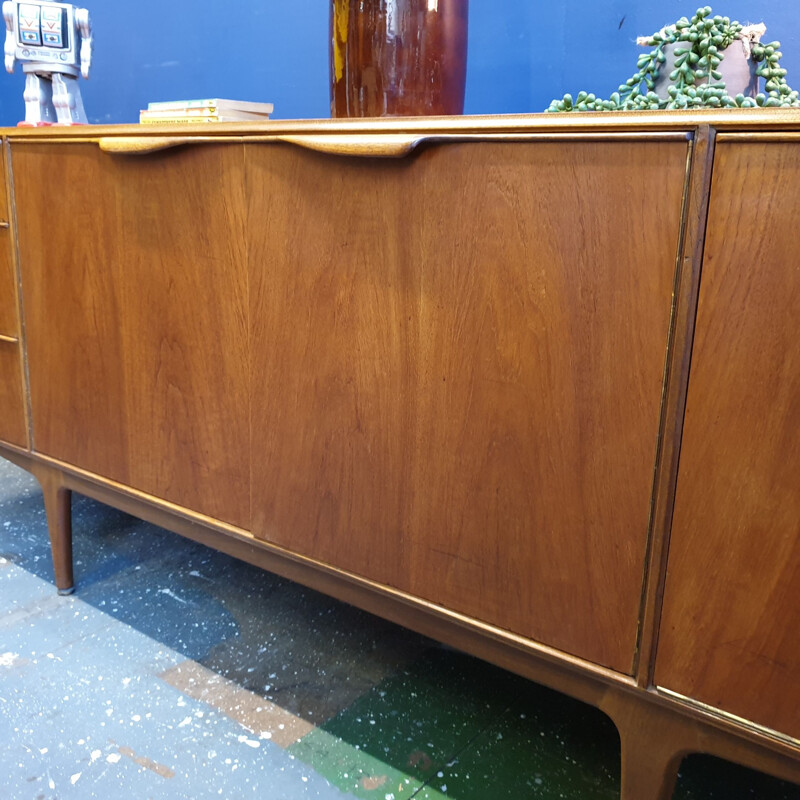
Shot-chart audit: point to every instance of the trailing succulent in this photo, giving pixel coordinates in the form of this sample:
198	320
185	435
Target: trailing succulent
695	81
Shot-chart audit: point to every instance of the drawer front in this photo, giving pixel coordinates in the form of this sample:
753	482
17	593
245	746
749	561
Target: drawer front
3	198
8	297
13	428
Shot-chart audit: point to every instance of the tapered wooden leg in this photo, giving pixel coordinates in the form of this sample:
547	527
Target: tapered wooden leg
649	767
58	507
653	742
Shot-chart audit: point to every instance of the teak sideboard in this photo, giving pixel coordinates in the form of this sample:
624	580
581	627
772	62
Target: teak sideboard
529	385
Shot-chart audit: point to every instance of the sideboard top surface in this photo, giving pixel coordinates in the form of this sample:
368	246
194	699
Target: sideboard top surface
576	123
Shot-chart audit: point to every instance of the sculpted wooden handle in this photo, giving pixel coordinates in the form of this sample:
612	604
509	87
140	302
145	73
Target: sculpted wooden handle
142	145
375	145
378	145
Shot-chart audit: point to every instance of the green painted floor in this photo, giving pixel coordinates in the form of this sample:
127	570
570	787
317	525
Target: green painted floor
450	726
175	671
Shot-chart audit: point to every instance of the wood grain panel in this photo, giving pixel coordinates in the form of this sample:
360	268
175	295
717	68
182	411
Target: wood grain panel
13	418
731	611
135	302
8	296
3	174
457	365
548	274
13	428
333	308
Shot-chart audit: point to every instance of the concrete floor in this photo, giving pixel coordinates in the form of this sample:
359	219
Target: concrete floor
178	672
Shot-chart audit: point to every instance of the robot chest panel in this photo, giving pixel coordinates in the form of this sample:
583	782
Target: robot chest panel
45	32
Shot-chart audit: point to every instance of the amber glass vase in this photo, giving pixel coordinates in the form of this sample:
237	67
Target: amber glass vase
398	57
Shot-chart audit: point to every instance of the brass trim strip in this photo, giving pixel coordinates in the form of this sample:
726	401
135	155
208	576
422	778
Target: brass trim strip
645	622
754	727
686	290
8	339
759	136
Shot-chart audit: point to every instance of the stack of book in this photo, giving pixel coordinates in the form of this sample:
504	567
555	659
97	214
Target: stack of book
198	111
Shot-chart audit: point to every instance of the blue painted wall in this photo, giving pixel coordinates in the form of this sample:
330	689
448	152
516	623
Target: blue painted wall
521	53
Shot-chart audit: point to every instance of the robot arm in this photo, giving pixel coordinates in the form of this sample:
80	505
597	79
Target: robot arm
11	39
84	26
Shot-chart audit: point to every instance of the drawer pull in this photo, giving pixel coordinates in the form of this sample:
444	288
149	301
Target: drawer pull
8	339
142	145
387	145
4	224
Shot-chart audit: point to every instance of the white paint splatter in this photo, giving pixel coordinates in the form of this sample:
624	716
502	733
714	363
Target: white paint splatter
112	758
266	734
186	721
172	594
249	742
95	755
74	778
42	750
8	659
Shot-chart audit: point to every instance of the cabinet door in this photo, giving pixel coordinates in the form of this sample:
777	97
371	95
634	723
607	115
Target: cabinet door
12	400
729	635
457	366
135	294
13	427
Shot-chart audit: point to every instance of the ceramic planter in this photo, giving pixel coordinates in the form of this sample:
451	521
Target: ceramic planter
737	68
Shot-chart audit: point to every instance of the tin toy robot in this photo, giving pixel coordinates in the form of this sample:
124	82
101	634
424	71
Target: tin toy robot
44	35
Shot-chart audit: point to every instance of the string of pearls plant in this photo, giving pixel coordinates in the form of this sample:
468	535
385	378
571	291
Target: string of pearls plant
696	81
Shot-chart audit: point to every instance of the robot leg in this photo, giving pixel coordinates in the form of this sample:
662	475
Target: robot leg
67	100
38	100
